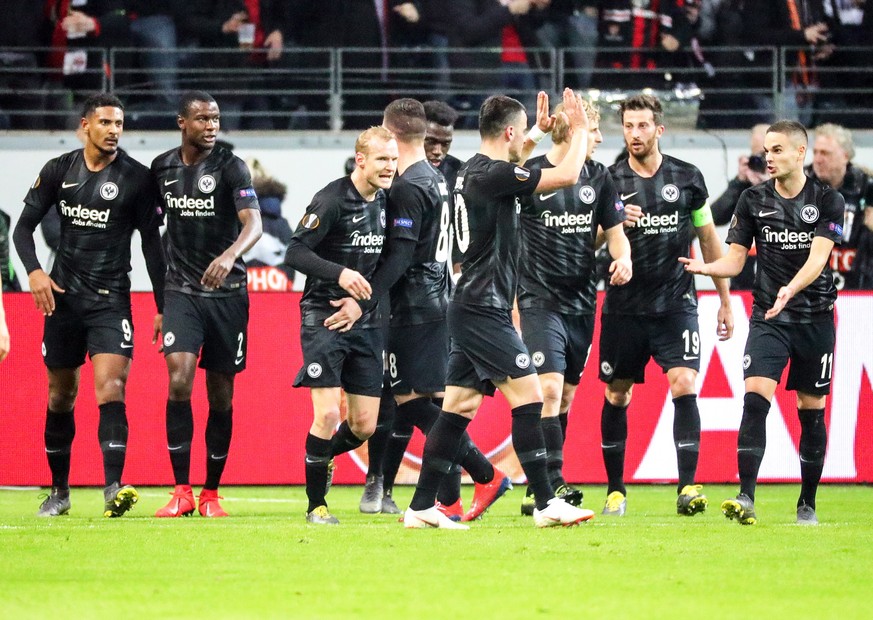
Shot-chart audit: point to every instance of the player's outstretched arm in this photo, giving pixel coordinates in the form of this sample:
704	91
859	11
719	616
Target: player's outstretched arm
819	254
251	231
619	249
710	247
567	172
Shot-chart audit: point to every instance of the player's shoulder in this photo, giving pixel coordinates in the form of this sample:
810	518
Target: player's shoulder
538	162
66	160
620	168
421	173
595	169
681	165
337	190
131	165
166	159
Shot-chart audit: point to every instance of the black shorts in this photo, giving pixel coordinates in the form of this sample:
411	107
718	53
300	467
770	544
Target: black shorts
485	348
627	342
214	327
809	347
417	357
350	360
557	342
80	325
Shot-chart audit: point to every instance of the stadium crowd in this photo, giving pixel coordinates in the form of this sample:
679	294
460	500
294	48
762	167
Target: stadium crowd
612	45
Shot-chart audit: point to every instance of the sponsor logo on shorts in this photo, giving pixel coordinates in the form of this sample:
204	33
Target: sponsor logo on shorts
206	184
169	339
108	191
522	360
314	370
587	194
747	361
670	193
809	214
126	345
538	358
606	368
43	349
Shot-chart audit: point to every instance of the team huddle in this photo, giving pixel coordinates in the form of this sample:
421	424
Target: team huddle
384	323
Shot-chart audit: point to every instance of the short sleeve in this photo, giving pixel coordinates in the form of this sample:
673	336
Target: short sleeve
832	216
506	179
742	226
610	208
406	209
240	181
321	214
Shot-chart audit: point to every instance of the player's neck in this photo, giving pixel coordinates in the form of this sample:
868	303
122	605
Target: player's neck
495	149
192	156
792	184
409	154
365	189
96	160
647	165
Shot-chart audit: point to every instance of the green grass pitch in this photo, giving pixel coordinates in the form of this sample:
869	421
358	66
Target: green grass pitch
265	561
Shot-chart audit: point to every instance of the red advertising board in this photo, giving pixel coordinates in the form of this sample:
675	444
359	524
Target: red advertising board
271	418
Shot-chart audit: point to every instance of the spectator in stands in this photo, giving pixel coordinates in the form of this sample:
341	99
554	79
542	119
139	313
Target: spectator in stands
153	28
23	25
270	249
571	24
78	27
832	154
752	170
658	34
737	88
479	24
851	24
792	23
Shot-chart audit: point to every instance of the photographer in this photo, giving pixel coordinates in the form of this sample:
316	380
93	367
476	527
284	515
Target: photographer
752	170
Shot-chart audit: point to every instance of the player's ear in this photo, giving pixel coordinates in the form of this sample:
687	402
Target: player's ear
360	158
180	121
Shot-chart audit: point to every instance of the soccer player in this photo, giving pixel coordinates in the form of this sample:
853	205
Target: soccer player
794	221
337	245
556	287
101	195
213	218
486	351
655	314
414	269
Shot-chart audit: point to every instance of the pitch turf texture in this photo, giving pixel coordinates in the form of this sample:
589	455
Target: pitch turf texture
265	561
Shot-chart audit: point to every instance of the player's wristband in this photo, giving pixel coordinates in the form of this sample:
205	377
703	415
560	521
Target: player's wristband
702	216
536	134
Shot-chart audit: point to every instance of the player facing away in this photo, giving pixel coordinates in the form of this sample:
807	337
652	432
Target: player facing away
556	288
101	195
413	271
213	218
486	351
337	245
794	221
655	314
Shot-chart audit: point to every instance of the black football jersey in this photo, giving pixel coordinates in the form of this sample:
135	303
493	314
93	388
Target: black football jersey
418	210
201	203
487	211
664	233
558	231
98	214
782	230
343	228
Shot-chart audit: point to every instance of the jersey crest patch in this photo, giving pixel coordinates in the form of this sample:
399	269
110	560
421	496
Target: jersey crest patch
108	191
670	193
310	221
206	184
809	214
587	194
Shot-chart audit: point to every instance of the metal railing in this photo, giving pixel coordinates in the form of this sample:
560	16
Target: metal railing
335	88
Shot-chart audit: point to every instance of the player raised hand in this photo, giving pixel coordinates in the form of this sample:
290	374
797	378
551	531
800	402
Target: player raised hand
577	117
545	121
355	284
42	287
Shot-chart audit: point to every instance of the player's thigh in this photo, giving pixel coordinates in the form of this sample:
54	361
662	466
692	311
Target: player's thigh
362	368
767	350
812	358
675	341
324	351
183	324
545	336
624	348
64	340
110	329
488	339
225	345
417	358
580	333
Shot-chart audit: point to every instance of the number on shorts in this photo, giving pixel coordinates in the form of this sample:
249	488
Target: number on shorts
692	342
239	339
827	366
392	365
127	330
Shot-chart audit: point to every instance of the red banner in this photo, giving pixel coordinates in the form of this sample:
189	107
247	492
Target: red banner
271	418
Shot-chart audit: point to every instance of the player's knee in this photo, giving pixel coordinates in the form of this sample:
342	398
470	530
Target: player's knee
62	401
363	427
327	419
683	384
109	389
619	395
181	386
